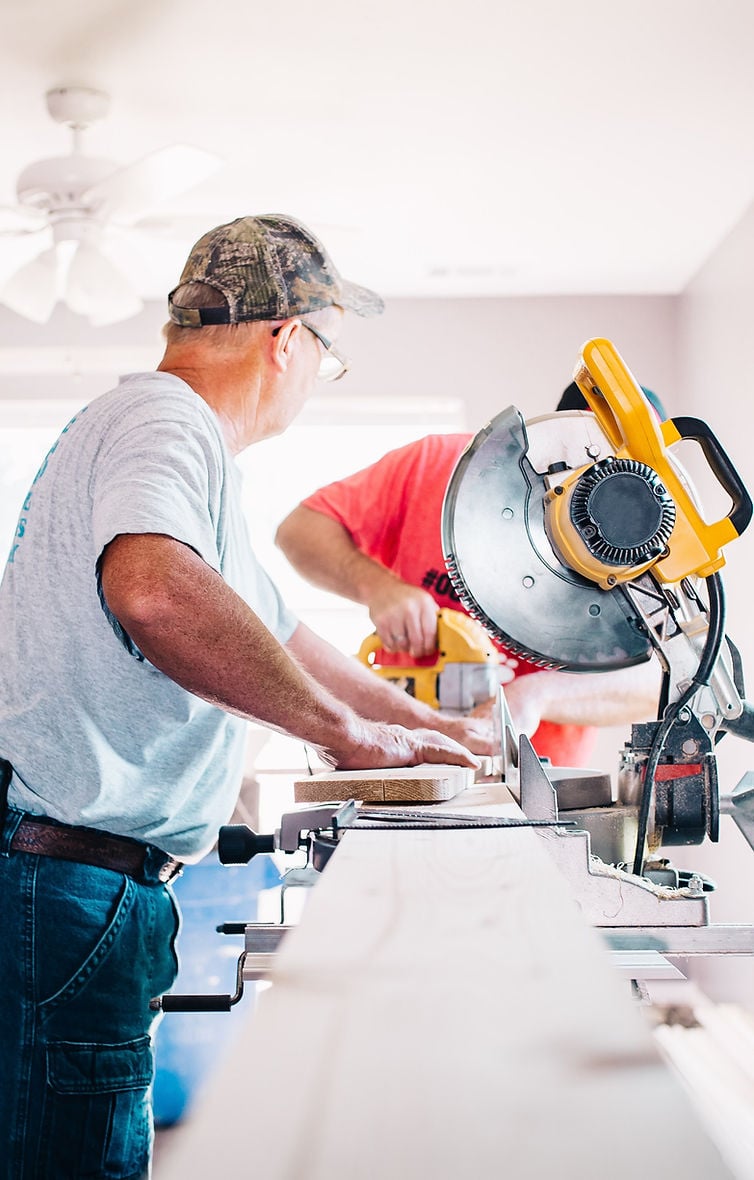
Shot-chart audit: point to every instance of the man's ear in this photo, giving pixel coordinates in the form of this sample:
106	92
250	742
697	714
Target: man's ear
283	343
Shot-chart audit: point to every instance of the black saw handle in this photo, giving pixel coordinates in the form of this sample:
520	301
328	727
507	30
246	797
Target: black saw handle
727	476
189	1003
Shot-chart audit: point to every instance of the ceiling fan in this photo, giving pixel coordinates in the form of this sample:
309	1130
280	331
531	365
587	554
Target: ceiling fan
79	202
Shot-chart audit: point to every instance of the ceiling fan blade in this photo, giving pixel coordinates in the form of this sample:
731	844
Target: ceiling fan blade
97	289
33	290
16	219
155	178
188	227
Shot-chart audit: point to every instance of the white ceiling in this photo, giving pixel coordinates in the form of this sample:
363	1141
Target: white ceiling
493	147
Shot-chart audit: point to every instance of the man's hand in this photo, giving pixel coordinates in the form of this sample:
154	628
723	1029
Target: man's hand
383	745
474	731
405	617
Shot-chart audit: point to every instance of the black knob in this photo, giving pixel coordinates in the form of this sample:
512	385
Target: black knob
622	512
236	844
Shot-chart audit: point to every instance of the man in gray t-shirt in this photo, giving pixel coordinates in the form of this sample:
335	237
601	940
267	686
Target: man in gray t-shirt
139	754
138	634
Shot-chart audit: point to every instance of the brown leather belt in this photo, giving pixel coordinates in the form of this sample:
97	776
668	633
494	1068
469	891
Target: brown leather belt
91	847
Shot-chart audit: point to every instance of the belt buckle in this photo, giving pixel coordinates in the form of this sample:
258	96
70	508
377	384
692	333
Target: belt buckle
169	871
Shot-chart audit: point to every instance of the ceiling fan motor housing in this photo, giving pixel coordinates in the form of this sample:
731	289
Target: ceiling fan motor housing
60	182
78	106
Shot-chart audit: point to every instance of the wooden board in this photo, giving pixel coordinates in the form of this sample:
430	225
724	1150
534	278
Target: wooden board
416	784
443	1011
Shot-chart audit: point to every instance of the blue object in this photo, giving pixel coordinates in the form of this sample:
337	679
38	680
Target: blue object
189	1045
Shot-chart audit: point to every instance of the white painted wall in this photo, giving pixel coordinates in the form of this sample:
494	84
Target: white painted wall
496	352
716	377
490	352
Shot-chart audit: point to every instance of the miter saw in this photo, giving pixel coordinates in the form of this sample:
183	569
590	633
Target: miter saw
464	670
577	541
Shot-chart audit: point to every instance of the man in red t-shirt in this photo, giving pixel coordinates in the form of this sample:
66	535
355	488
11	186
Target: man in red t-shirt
375	537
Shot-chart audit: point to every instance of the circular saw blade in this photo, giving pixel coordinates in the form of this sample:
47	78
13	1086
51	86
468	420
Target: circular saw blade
500	559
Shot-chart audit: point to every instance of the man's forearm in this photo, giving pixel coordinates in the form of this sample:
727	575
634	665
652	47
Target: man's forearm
377	700
193	627
322	551
590	698
360	687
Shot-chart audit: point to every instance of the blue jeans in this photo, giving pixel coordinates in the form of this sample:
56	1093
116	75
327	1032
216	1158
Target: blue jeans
82	952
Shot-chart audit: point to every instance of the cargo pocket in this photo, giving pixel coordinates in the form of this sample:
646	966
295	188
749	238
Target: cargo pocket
97	1109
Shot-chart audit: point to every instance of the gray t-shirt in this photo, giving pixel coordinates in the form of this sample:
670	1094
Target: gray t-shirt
97	735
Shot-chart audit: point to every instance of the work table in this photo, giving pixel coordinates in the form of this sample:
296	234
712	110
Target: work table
443	1010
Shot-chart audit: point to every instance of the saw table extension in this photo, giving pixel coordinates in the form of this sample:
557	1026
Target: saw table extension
443	1009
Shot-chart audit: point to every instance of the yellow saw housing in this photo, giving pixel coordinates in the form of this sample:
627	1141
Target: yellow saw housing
612	520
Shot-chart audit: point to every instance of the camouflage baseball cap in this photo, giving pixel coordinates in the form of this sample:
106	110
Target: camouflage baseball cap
268	268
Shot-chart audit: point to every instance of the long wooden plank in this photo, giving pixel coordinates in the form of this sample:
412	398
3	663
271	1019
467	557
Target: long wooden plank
443	1011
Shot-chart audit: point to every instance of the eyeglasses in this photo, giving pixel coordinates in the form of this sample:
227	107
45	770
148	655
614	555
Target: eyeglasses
333	365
